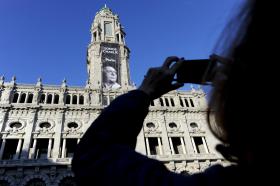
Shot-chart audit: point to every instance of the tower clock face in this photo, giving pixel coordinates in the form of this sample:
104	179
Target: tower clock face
110	65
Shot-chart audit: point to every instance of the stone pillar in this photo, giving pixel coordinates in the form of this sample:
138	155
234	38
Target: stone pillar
58	133
3	113
165	141
183	145
160	146
148	146
140	145
171	145
187	138
63	148
50	148
34	148
18	149
205	145
28	134
2	148
194	146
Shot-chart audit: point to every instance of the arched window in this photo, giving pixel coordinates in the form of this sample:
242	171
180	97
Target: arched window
30	98
181	102
161	102
152	103
36	182
22	98
74	101
68	98
68	181
49	99
56	99
45	125
81	101
186	102
15	98
191	102
172	102
42	98
166	102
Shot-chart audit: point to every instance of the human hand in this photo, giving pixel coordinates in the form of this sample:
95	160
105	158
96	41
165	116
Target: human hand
159	80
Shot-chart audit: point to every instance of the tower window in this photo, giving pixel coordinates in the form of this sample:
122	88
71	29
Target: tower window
81	101
74	101
68	98
42	98
56	99
172	102
191	101
166	102
186	102
22	98
108	28
30	98
161	102
15	98
49	99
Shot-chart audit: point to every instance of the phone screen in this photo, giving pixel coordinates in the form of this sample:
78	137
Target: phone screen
193	71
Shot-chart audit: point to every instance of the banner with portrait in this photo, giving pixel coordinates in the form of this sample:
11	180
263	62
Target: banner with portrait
110	58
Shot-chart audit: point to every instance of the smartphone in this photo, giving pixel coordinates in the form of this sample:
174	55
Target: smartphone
195	71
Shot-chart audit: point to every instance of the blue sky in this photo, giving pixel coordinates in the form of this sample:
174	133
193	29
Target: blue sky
49	38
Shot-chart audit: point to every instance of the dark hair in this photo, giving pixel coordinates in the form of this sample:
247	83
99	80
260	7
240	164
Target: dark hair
233	101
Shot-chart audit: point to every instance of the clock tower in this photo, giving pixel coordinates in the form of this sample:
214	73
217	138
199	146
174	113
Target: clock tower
107	54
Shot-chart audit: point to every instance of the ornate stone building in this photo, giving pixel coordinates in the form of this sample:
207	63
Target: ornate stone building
41	124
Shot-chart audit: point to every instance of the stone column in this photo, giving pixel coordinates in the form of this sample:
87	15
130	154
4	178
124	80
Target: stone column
2	148
194	146
160	146
63	148
187	138
28	134
171	145
3	113
205	145
34	148
148	146
58	133
183	145
18	149
50	148
165	141
140	145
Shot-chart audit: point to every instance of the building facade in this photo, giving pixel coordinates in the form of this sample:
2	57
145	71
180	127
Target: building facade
40	125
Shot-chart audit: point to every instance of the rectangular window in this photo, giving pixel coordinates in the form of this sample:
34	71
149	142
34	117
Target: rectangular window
154	146
70	146
108	28
10	149
177	145
41	151
200	146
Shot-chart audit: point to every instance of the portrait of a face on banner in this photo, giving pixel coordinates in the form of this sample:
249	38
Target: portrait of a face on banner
110	66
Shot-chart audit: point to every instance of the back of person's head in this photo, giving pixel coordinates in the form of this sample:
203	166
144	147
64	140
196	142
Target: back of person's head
240	97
